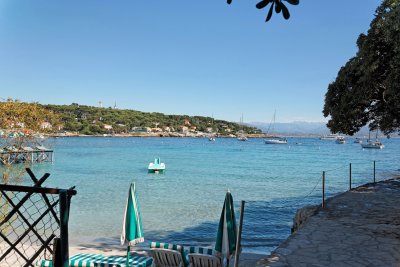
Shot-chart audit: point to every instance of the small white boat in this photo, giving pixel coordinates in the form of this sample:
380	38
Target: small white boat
332	137
242	138
211	139
274	140
280	141
358	140
156	166
340	140
373	144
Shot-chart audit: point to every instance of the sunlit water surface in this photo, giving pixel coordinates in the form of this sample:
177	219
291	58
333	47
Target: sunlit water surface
184	204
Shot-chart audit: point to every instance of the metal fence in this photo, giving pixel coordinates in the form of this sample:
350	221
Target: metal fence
32	219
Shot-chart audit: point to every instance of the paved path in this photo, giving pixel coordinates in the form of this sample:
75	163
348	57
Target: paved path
357	228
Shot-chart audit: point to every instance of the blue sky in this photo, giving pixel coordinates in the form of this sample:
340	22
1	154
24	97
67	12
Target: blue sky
179	57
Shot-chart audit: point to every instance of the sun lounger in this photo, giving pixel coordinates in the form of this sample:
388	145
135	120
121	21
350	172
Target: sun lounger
94	260
167	255
203	257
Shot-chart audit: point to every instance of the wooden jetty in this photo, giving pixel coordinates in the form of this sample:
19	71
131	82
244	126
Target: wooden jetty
12	155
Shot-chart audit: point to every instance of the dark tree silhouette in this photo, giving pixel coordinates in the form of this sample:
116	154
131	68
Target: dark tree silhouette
367	88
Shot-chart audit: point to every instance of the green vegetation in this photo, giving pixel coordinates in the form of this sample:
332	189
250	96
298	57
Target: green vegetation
367	88
20	124
92	120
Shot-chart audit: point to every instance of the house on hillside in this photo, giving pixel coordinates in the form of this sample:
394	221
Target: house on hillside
46	125
107	127
184	129
141	130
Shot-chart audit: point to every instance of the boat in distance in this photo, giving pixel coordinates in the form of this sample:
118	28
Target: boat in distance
358	140
242	138
157	166
373	144
340	140
280	141
332	137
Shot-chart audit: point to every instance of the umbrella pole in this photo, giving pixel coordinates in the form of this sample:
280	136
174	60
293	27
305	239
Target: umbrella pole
128	256
239	237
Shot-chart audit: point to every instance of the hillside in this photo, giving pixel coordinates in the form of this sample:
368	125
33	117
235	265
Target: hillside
94	120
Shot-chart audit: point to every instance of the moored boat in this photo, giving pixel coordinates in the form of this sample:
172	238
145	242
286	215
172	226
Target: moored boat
280	141
242	138
332	137
340	140
373	144
274	140
358	140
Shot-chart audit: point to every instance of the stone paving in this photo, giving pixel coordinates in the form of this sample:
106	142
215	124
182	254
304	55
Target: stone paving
357	228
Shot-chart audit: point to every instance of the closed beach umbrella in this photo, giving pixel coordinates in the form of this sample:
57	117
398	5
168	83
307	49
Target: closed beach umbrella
132	230
226	237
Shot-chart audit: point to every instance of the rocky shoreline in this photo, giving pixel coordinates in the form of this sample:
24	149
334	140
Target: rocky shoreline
360	227
170	134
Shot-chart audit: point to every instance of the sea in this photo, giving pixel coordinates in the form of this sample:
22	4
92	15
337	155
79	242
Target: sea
184	204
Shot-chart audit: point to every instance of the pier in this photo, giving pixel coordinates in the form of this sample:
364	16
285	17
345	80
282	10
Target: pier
360	227
26	154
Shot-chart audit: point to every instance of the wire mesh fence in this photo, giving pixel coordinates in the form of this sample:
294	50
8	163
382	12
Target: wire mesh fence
30	219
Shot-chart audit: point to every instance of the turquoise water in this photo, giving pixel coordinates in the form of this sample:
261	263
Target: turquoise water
184	204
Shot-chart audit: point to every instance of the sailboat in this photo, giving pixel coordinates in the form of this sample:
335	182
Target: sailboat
242	136
212	137
373	144
275	141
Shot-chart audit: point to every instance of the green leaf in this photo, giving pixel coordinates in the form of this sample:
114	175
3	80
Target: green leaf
293	2
285	12
270	12
278	7
263	4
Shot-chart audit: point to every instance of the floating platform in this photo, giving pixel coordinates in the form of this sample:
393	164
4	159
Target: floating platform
11	155
157	166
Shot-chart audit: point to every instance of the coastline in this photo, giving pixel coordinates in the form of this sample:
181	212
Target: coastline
360	227
175	135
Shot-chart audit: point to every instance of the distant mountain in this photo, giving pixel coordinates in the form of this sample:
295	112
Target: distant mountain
299	128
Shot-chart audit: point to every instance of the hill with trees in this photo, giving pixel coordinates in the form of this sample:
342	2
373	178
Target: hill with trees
90	120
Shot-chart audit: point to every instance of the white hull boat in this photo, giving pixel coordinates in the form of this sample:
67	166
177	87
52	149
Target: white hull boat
340	140
331	137
373	145
276	141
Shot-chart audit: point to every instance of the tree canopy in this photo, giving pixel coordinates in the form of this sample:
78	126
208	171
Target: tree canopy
367	87
25	117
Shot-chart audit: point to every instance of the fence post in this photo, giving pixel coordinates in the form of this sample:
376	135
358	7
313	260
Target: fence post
323	189
64	216
350	176
239	236
56	253
374	171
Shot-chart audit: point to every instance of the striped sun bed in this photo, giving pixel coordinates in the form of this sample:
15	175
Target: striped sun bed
95	260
